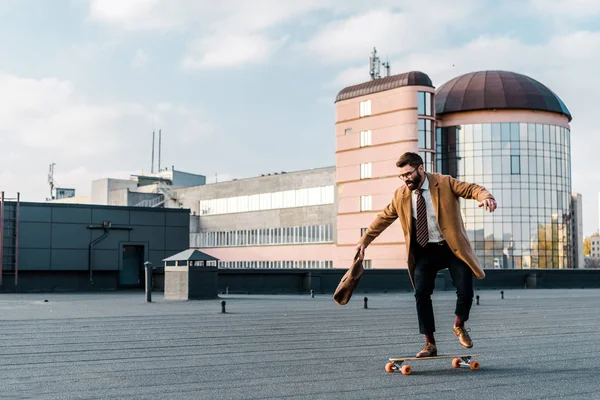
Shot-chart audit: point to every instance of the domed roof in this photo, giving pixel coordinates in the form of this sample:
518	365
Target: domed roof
413	78
500	90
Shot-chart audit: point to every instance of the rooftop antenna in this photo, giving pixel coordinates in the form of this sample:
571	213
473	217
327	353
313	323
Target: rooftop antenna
152	166
374	65
159	147
51	180
386	65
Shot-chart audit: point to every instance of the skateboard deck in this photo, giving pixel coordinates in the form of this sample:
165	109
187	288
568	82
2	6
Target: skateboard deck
458	360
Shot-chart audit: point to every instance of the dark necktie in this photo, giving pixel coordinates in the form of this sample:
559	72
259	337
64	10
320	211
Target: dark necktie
422	229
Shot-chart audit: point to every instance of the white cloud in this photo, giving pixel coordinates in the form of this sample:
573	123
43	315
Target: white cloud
230	51
408	26
146	15
139	59
356	36
572	9
47	120
233	32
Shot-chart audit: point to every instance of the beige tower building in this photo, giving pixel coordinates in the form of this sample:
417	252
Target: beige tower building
376	122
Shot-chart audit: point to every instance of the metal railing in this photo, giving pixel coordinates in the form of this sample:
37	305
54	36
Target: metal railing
164	194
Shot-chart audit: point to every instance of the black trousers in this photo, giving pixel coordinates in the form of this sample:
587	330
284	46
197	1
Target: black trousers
429	261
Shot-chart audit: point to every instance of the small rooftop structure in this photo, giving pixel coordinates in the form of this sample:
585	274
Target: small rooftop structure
191	258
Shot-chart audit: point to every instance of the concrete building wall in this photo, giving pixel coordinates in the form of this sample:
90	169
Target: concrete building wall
491	116
309	230
101	189
190	197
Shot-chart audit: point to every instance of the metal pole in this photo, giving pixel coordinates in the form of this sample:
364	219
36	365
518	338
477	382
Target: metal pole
17	239
148	271
159	147
152	166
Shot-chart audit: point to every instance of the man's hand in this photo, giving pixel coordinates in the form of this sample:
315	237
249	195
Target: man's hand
361	249
489	204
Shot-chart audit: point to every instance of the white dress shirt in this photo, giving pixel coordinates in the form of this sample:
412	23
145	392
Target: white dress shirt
435	233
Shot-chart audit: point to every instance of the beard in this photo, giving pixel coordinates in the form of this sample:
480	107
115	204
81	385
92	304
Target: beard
412	184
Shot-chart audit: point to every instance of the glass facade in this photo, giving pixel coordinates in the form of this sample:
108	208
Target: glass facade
527	167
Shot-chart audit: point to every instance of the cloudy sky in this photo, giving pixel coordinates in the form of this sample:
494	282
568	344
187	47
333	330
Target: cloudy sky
83	83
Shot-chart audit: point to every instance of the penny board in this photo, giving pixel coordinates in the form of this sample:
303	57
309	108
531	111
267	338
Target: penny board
458	360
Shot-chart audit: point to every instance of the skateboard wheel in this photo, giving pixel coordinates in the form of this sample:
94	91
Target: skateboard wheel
390	367
406	370
456	363
475	365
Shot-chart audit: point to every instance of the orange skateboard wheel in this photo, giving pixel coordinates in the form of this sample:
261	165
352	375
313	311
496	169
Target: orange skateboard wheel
390	367
406	370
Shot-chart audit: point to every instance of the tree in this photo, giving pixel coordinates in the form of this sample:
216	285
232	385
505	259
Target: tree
587	246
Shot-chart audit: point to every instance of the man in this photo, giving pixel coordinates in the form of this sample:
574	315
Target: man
429	210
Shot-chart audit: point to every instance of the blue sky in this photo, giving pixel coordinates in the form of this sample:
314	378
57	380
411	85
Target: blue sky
84	82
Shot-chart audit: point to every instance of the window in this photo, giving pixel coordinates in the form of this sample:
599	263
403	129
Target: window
268	201
515	165
367	264
365	108
366	203
425	134
348	131
428	159
365	171
365	138
424	103
363	231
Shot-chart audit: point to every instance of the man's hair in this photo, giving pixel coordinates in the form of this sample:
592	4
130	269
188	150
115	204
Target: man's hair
412	159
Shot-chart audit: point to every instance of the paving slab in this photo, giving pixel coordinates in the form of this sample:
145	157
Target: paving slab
533	344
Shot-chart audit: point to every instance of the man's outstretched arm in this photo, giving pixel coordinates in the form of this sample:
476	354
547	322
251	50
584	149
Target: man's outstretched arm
473	191
379	224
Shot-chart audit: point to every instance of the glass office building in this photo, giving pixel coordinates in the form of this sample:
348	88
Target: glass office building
522	157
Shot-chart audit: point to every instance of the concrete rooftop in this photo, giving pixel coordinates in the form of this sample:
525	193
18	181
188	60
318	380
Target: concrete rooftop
534	344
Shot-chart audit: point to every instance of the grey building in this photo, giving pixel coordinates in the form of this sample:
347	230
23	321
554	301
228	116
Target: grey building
53	246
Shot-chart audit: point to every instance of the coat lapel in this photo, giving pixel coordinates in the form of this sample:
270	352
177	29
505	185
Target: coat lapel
407	207
435	194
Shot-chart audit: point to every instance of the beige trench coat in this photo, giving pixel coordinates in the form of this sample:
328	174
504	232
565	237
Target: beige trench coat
445	194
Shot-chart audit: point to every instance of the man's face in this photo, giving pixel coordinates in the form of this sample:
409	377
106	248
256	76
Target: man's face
411	176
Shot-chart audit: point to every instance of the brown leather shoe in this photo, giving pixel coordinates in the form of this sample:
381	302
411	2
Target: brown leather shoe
463	337
429	350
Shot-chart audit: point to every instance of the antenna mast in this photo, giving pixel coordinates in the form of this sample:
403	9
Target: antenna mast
374	65
159	147
152	165
51	180
386	65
